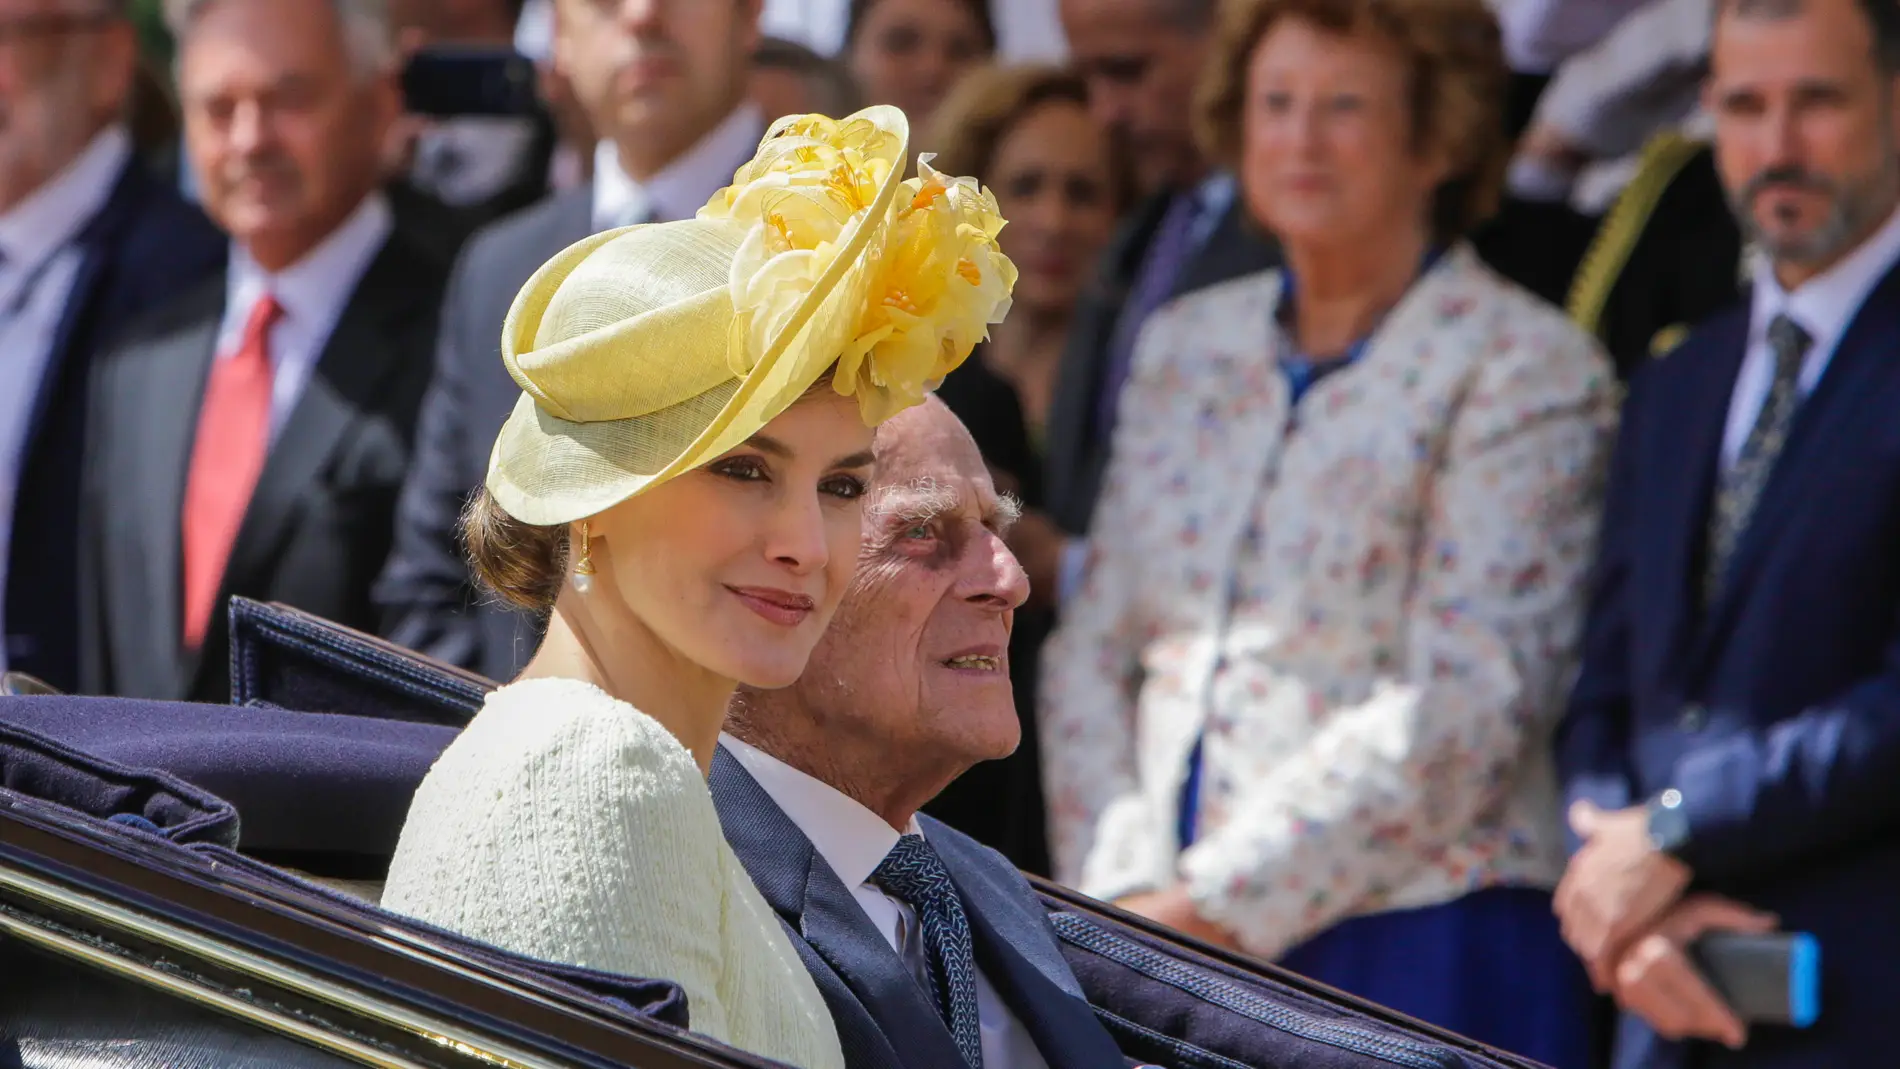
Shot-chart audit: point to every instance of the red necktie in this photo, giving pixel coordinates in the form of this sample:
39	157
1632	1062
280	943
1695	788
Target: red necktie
233	440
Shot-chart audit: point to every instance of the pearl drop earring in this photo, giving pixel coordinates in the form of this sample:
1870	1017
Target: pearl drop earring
584	564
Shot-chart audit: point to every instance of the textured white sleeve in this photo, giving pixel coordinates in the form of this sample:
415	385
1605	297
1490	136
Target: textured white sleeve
576	831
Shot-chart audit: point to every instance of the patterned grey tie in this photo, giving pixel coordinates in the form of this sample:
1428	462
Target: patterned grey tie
1740	487
913	872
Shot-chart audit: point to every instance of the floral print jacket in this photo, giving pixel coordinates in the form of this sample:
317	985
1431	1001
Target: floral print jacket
1367	607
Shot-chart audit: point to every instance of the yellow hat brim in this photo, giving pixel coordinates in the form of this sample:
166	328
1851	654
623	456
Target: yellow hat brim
548	470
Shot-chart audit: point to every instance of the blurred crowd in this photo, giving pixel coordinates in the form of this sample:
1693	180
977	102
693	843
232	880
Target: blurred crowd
1452	437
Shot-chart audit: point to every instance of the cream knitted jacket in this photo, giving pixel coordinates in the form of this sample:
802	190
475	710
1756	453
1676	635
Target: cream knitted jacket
569	826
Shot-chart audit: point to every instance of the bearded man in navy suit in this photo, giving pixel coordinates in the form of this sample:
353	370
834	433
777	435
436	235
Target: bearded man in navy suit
1732	750
931	950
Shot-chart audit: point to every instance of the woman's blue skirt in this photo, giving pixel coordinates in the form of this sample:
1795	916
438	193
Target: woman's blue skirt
1490	966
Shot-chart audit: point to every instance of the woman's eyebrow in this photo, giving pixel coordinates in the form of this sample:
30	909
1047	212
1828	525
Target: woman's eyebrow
863	458
765	443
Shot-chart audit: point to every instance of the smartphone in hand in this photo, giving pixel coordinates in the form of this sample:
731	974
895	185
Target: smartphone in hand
1771	978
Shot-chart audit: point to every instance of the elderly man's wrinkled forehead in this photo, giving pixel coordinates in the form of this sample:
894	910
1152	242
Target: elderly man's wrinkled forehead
927	465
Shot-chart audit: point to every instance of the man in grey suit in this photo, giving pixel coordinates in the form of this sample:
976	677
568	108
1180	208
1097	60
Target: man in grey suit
664	81
249	435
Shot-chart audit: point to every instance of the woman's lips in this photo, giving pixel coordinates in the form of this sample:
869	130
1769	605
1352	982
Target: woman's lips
781	607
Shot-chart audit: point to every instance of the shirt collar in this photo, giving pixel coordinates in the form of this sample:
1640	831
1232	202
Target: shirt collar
853	840
682	186
1212	197
1825	304
315	288
52	214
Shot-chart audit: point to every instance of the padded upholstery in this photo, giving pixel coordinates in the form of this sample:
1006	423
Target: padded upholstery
287	658
306	785
37	769
1182	1011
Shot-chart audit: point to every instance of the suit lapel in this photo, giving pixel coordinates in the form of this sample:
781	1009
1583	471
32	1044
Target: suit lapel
1232	249
1020	957
875	1001
356	359
575	212
838	930
96	242
1694	409
1826	425
154	405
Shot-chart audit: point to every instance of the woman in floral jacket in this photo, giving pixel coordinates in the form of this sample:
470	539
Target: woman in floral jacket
1302	703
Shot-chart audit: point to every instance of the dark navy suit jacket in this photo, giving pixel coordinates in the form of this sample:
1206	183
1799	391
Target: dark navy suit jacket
885	1018
143	249
1776	713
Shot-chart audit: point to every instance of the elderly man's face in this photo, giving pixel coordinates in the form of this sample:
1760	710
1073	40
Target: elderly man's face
65	66
918	655
284	127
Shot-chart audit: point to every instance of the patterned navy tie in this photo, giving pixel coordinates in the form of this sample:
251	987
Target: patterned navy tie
1740	487
913	872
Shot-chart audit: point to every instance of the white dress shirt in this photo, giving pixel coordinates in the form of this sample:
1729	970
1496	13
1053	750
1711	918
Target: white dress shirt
39	261
312	292
854	841
1823	306
682	187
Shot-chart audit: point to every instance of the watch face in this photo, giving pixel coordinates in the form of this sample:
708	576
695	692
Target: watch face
1668	824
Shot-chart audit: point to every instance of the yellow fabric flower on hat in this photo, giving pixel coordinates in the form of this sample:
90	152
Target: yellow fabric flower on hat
942	282
912	308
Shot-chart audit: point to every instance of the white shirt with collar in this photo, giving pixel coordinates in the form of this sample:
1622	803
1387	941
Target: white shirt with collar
39	262
313	292
1824	306
854	841
683	186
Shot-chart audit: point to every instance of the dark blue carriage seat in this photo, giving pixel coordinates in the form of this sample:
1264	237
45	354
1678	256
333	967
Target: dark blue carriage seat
320	792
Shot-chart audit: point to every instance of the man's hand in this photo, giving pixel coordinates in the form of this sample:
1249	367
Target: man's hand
1656	980
1616	887
1175	909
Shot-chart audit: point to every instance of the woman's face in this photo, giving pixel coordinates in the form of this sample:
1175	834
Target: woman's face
910	52
738	565
1050	174
1328	154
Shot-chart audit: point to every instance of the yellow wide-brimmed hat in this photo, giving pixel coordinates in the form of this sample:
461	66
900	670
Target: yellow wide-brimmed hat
647	351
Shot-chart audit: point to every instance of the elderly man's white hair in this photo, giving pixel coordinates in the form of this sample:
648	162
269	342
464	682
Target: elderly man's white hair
368	36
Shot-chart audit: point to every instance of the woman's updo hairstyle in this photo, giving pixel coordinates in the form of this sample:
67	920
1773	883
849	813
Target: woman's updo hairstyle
523	564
